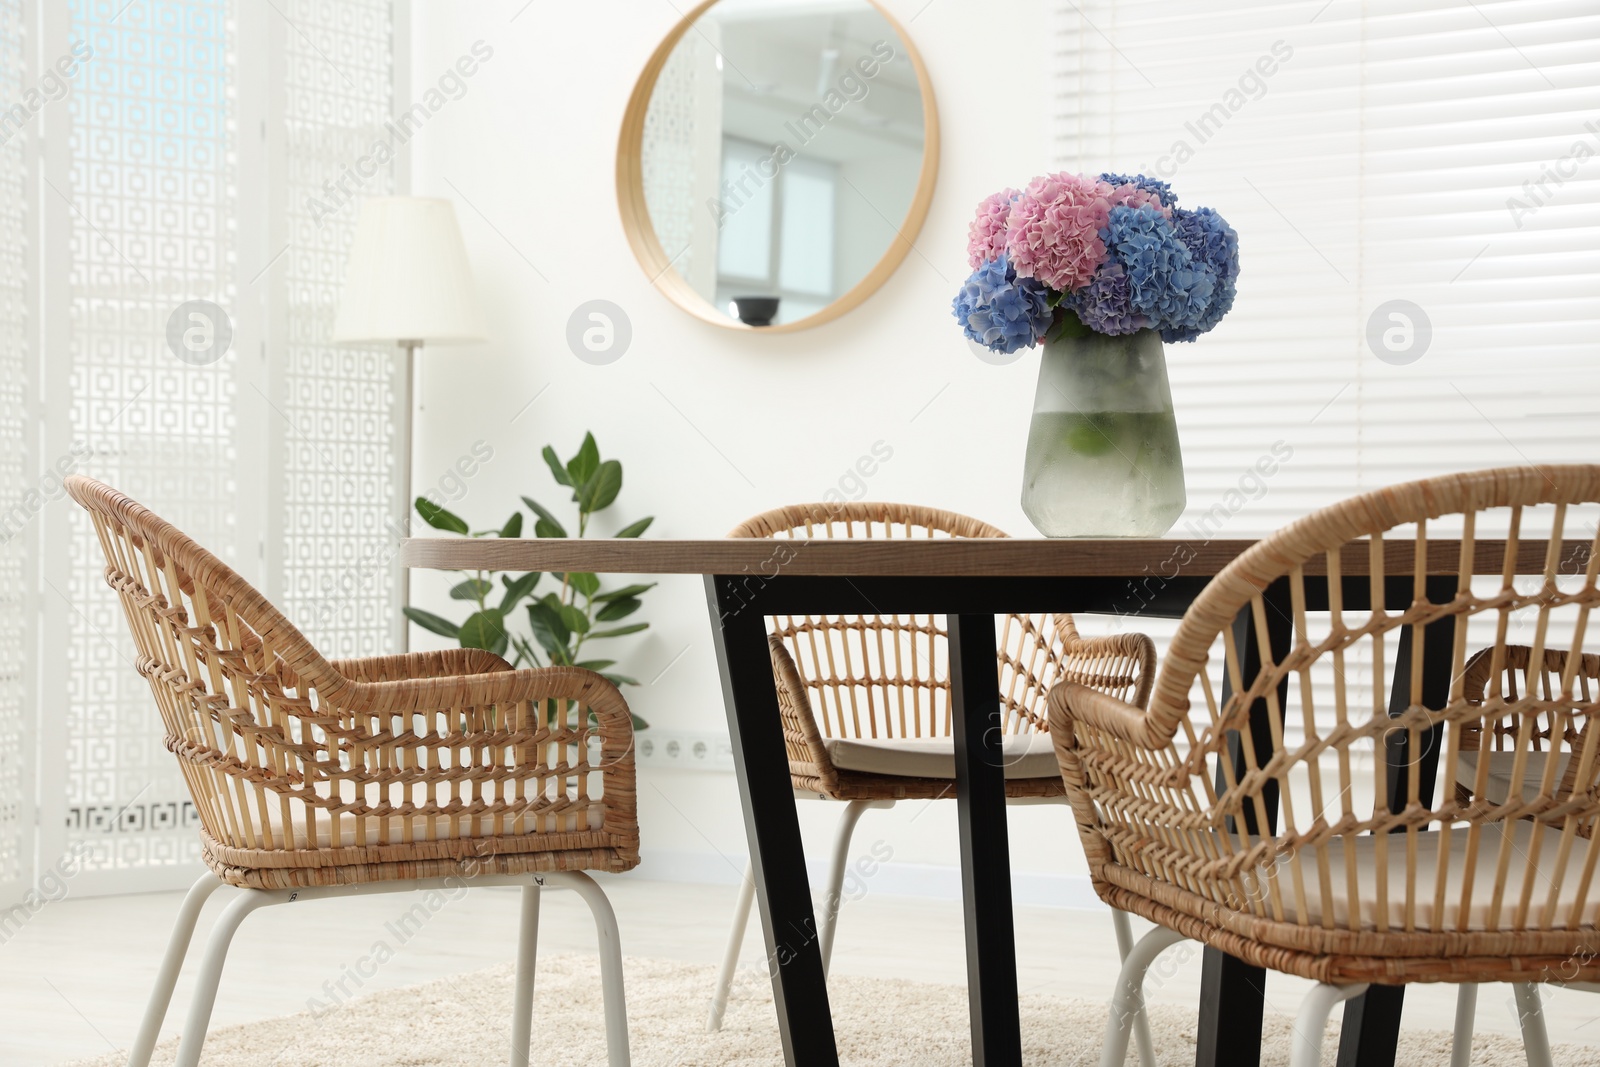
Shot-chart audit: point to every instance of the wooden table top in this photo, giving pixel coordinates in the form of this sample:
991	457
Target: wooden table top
927	557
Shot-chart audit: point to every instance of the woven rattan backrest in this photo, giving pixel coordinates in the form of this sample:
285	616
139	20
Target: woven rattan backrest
887	676
1167	799
284	751
221	660
182	604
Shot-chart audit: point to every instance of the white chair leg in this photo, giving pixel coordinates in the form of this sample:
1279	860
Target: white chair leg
1313	1020
1530	1015
829	920
1466	1017
1141	1020
1128	998
527	957
730	956
605	921
205	990
155	1013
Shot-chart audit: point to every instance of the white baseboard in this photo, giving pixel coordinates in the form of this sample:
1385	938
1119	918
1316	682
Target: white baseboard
925	881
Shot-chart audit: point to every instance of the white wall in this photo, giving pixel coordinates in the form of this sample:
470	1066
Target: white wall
711	425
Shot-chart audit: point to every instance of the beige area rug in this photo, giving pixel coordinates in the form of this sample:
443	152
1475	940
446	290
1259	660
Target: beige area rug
463	1021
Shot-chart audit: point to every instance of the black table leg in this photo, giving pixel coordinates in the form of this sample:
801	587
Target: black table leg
1371	1027
777	854
985	852
1232	992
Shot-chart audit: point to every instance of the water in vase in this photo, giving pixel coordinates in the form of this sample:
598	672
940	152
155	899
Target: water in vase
1105	474
1103	457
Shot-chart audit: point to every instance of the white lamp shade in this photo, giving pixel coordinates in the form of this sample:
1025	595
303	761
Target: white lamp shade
408	278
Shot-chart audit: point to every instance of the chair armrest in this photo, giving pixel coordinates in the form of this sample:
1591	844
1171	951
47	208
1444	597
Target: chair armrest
808	758
1097	663
441	664
461	692
1071	702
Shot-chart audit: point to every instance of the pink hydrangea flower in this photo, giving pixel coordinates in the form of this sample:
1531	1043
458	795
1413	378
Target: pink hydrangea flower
986	238
1133	196
1054	229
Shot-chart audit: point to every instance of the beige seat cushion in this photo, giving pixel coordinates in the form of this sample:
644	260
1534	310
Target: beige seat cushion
1030	755
1500	764
1534	851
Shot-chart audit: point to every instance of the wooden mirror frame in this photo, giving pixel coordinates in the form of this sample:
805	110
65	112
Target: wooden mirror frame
642	233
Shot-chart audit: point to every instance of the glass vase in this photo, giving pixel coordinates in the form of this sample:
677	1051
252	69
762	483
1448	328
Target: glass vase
1103	456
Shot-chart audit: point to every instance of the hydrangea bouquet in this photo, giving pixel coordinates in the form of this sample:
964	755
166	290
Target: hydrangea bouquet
1112	254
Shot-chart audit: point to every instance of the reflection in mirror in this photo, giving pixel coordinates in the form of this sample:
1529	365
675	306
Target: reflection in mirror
781	152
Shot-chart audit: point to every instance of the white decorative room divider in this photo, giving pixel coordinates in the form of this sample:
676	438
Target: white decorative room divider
343	428
17	458
183	157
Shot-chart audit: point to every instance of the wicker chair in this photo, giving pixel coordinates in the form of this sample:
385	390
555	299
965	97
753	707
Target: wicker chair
866	700
1351	889
317	778
1496	684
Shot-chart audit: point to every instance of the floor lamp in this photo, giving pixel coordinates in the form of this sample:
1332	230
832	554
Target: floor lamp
409	284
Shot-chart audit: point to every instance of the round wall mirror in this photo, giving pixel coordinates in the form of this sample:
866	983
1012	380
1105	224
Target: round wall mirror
777	159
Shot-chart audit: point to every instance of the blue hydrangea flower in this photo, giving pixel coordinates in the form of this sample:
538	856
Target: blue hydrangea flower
1213	244
1149	185
1105	305
1165	283
1001	311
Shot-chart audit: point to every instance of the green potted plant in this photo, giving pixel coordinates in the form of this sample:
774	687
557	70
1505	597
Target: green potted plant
574	611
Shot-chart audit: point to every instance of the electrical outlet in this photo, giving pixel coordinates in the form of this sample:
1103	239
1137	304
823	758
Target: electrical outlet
684	749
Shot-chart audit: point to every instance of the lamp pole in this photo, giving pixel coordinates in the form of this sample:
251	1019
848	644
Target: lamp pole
406	457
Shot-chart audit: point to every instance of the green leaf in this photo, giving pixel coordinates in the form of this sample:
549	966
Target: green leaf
548	525
575	620
618	631
625	591
1067	324
524	651
431	622
584	582
556	468
621	679
513	526
595	664
618	609
472	589
602	488
517	589
485	629
438	517
548	629
581	468
637	528
638	723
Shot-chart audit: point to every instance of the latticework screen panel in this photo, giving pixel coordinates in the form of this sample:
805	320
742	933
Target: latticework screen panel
16	461
152	205
344	435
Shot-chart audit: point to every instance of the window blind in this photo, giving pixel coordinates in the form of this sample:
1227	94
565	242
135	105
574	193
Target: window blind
1415	186
1415	189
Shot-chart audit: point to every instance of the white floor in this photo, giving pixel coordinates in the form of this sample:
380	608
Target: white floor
74	979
